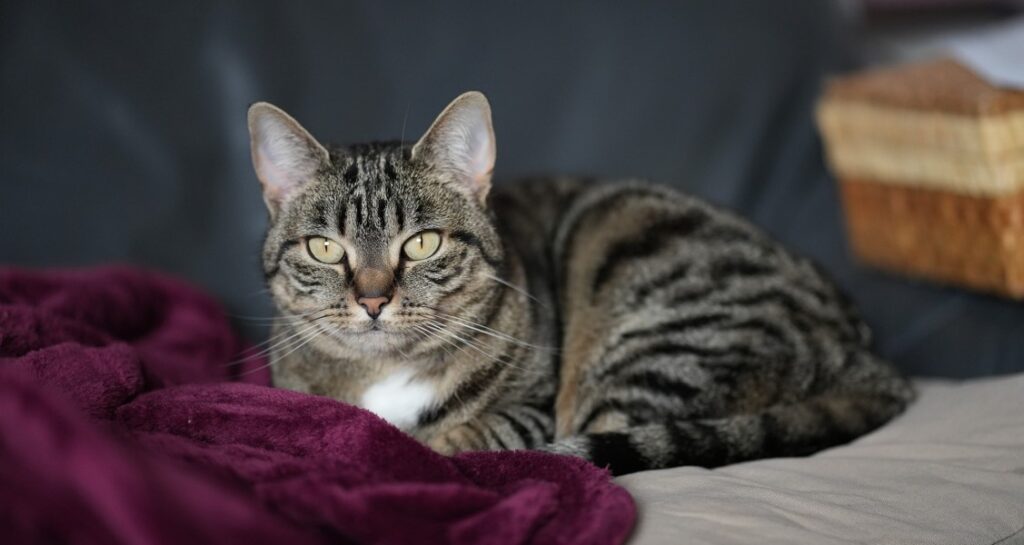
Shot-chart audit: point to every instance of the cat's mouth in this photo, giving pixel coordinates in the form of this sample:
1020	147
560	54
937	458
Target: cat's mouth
373	335
377	328
370	338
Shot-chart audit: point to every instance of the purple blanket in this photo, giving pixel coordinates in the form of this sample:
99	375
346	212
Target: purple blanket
122	422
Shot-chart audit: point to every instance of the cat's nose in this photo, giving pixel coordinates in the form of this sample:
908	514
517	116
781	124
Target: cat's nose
373	305
373	289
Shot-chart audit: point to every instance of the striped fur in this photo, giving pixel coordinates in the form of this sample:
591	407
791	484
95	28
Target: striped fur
623	322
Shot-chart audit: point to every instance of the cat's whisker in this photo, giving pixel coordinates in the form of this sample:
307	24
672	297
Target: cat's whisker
516	288
332	334
284	341
444	340
267	319
261	291
470	343
317	333
281	318
298	320
435	313
436	332
477	326
275	342
427	334
402	353
481	328
455	392
405	118
497	335
420	328
265	346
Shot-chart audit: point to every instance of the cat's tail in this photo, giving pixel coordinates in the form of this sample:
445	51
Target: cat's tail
797	429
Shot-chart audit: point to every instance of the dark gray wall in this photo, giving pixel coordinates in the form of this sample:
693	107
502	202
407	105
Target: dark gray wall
123	135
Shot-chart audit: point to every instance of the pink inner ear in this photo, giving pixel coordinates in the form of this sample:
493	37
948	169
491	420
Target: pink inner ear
481	160
461	142
276	181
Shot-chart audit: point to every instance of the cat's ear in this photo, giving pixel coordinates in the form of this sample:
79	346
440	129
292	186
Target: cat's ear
460	144
285	155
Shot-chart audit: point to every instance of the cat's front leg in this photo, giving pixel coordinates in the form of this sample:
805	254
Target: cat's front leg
514	429
461	438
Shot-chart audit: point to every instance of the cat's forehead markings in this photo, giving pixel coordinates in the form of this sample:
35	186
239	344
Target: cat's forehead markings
351	174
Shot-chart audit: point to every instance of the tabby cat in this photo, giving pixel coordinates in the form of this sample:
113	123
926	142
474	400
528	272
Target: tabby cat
630	324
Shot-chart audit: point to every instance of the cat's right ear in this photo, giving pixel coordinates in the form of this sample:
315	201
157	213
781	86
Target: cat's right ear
285	155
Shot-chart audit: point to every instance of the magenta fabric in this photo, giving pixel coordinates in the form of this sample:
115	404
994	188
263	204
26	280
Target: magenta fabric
121	421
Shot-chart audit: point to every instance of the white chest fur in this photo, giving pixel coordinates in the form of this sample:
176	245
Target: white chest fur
399	399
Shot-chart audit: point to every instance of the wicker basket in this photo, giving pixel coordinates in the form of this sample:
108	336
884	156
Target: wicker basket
930	160
942	236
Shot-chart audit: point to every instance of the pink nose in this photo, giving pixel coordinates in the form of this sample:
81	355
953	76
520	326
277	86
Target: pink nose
373	305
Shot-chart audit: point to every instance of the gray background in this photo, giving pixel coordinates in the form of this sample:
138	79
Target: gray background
123	132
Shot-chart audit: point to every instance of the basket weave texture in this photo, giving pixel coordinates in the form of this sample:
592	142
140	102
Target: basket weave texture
930	162
973	241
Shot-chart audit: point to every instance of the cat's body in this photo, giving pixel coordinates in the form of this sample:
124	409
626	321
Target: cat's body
623	322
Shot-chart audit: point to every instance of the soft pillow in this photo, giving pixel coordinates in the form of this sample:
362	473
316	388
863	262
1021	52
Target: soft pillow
949	470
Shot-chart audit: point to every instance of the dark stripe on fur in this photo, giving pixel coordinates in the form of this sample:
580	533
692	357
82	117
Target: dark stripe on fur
522	431
661	383
743	268
399	217
357	204
690	296
319	216
381	209
541	419
764	327
645	244
639	409
679	324
471	240
351	175
496	436
275	267
671	349
678	272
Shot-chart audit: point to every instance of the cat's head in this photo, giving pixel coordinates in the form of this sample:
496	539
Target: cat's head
372	247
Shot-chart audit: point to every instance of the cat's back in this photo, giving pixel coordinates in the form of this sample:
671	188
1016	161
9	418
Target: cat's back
628	220
554	207
628	243
533	208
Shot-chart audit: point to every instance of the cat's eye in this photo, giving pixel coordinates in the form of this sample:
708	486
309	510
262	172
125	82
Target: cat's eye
422	245
325	250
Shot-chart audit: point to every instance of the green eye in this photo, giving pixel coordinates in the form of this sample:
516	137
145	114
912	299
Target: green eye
325	250
422	245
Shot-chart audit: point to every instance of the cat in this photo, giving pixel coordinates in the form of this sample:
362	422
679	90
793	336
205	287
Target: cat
627	323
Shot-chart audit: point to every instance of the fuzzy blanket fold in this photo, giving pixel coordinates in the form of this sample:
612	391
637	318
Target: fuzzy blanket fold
121	422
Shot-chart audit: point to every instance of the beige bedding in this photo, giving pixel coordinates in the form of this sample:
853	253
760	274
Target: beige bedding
948	471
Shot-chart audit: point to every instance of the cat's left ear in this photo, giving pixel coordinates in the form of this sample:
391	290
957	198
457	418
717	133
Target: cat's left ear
460	144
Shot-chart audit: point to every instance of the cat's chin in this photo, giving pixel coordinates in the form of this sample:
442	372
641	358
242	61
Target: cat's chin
373	340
